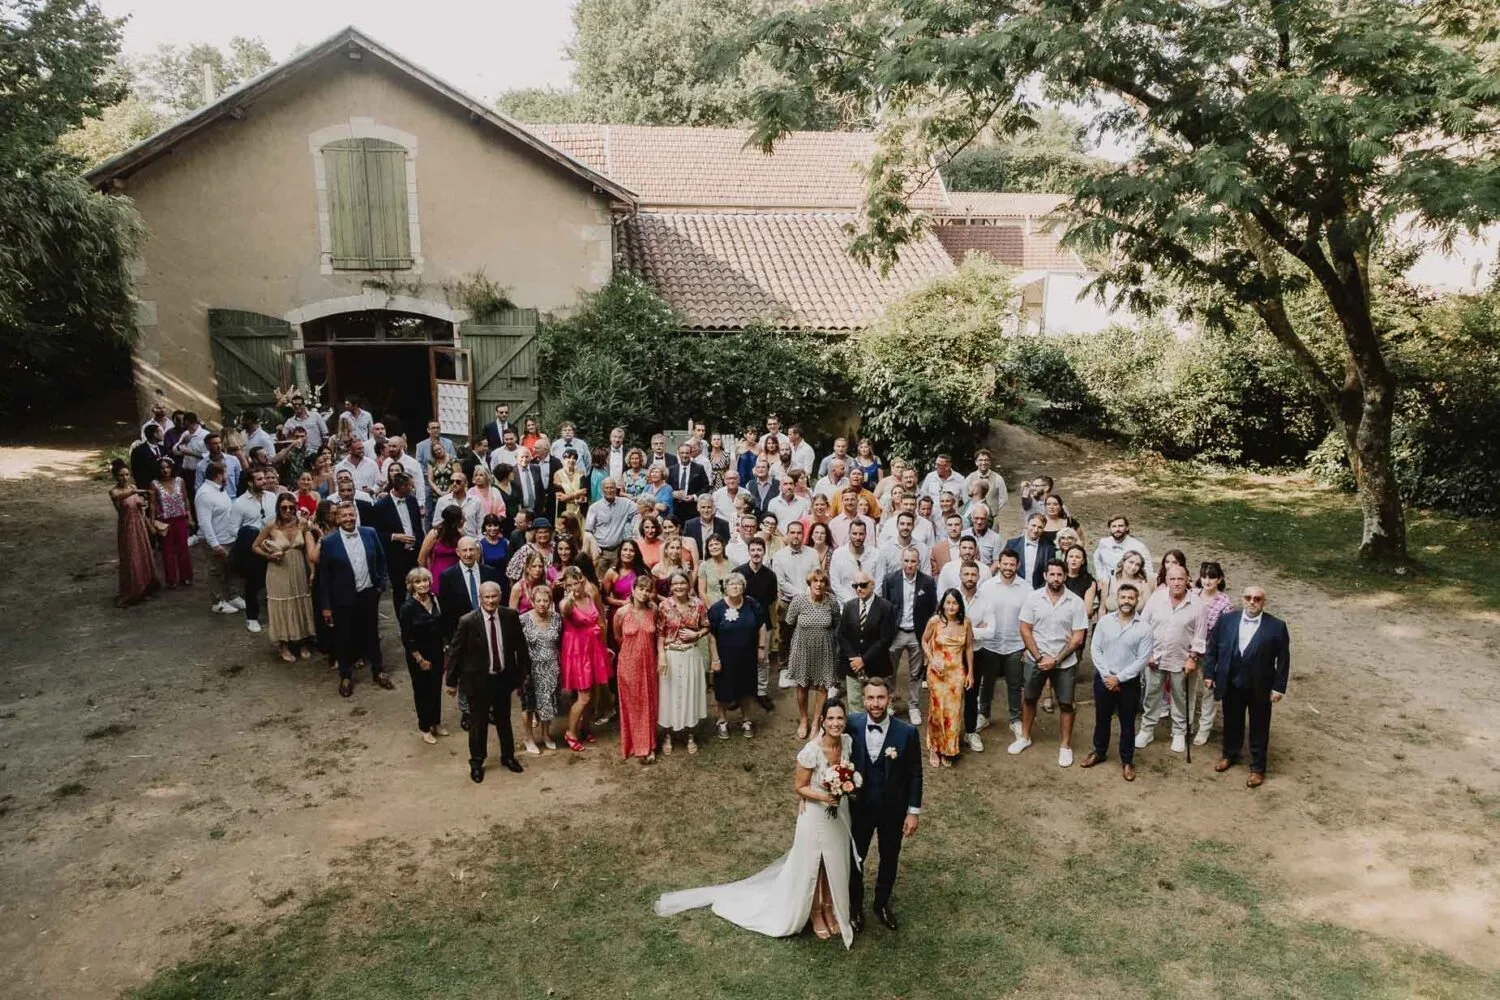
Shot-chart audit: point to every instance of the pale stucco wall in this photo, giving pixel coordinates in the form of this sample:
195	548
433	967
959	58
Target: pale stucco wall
233	214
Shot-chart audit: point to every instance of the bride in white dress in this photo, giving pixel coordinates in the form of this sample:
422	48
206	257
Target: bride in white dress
810	880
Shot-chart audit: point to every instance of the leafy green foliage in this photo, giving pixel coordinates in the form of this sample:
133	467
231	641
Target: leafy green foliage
623	359
1053	156
926	373
65	301
172	76
661	62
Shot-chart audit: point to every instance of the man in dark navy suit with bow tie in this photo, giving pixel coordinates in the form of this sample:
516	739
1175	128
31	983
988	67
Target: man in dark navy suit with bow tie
1247	666
888	757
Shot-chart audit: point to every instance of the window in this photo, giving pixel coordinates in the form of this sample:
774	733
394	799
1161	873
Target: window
368	215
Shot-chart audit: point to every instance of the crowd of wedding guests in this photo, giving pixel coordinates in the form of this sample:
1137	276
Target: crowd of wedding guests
655	589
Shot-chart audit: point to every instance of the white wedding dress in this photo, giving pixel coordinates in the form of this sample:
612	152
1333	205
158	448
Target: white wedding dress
778	901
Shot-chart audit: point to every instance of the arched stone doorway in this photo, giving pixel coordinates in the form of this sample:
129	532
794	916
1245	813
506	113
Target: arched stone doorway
381	355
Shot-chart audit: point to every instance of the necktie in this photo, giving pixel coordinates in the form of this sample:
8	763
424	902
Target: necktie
864	612
473	588
494	648
526	482
683	487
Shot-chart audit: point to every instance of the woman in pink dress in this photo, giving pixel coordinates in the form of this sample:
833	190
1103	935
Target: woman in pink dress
585	663
636	670
440	547
138	576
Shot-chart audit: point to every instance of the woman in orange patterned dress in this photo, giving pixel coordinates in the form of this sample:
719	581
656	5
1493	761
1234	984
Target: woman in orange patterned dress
949	644
636	670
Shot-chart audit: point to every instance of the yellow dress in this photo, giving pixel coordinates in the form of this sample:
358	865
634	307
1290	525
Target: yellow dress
945	685
569	484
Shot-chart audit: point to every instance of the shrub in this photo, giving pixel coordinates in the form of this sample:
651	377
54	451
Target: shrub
927	372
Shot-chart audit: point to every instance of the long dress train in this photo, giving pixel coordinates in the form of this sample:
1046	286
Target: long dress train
777	901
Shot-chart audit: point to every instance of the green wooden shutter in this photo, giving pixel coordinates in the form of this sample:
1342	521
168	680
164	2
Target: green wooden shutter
247	351
505	370
368	213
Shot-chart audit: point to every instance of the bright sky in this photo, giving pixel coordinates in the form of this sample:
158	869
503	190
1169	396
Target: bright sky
481	46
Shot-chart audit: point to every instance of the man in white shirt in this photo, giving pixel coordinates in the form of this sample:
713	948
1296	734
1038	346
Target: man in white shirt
994	492
803	456
365	470
791	566
788	508
251	511
191	448
921	528
1122	644
968	552
726	498
308	420
566	439
617	452
738	549
608	521
396	458
217	526
158	419
839	525
942	479
989	540
851	559
509	452
1054	624
773	430
1113	546
356	423
255	435
1177	619
890	551
997	638
458	496
833	481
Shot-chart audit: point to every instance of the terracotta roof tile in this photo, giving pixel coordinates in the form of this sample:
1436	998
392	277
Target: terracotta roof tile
1003	204
730	270
1013	246
700	168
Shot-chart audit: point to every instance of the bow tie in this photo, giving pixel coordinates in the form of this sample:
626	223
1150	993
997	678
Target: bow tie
875	728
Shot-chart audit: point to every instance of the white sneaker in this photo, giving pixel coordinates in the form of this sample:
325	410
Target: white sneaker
981	724
722	728
194	539
1065	757
914	715
238	602
785	680
833	691
1144	737
747	729
225	608
974	742
1201	738
1020	744
1015	728
251	625
1179	743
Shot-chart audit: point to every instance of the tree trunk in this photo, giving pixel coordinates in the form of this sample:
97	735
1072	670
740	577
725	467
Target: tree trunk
1383	539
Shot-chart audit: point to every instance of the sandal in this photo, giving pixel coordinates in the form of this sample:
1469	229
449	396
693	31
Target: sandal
945	762
666	747
933	760
802	729
573	743
650	758
692	745
286	655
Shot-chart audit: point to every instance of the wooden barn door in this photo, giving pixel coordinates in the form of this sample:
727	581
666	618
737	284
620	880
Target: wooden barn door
247	350
505	368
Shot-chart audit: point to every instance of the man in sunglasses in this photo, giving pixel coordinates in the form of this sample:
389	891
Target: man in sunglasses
867	627
1246	666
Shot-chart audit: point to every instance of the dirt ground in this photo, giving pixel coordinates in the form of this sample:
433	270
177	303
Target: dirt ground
164	778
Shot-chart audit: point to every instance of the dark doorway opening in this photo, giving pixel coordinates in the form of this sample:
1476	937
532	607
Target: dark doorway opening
393	381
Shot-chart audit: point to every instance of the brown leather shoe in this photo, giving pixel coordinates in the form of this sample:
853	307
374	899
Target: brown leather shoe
1128	772
1255	780
384	680
1091	760
1223	764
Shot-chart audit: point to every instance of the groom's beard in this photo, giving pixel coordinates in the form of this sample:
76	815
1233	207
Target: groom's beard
877	718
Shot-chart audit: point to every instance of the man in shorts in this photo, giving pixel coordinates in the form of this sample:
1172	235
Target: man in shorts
1054	624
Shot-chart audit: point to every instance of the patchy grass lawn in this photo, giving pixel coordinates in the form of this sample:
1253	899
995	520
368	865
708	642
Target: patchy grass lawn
995	899
1312	531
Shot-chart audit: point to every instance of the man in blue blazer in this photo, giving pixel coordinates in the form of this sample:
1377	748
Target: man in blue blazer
398	523
1033	551
888	756
351	575
1247	666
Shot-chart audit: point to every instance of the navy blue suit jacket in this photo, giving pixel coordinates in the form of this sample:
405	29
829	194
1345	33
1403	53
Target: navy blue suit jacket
1264	666
893	785
387	522
924	605
336	575
1045	552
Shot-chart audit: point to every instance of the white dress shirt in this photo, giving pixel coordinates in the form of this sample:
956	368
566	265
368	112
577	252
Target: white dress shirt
617	465
1000	611
504	456
908	621
1108	553
471	579
497	648
1052	625
935	484
366	472
948	578
248	512
412	468
404	516
354	544
724	507
1248	627
844	565
473	510
215	514
890	554
875	734
803	457
786	511
1029	552
791	569
258	438
921	531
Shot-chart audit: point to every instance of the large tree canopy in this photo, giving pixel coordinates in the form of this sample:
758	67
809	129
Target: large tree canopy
661	62
1278	141
65	302
1054	156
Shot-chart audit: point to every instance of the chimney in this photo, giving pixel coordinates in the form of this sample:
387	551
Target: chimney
208	84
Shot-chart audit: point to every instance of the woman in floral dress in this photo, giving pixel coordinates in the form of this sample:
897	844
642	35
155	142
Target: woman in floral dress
542	627
812	662
636	671
948	642
681	626
169	505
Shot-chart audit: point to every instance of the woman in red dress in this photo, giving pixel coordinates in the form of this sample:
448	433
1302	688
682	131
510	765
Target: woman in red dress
636	671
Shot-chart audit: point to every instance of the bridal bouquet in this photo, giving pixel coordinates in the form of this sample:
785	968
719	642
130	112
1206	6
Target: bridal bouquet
839	780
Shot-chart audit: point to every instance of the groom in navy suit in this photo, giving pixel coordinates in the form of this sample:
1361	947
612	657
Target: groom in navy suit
1247	666
888	757
351	575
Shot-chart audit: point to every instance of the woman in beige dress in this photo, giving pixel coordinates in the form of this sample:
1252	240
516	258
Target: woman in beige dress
286	545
